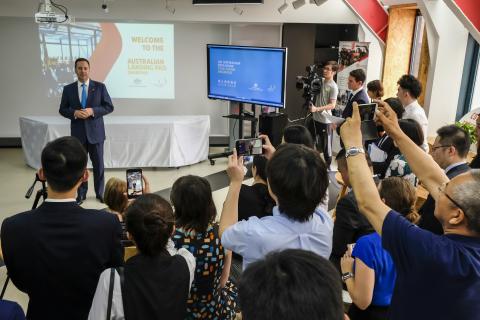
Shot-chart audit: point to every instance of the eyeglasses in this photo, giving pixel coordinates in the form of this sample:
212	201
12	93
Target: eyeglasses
442	190
438	147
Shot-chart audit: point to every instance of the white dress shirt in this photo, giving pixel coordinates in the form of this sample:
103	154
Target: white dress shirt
415	112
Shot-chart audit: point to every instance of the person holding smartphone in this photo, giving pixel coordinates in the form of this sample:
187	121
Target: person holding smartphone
321	127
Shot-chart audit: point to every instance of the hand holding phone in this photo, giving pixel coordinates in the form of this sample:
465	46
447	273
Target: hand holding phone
367	111
249	147
134	183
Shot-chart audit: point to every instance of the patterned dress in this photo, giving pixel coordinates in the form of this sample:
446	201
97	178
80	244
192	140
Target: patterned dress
399	168
206	301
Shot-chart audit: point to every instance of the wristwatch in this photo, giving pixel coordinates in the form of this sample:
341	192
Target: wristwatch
346	276
353	151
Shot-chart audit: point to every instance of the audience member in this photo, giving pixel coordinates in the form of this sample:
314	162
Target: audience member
370	278
291	284
157	280
115	197
211	297
438	276
255	201
356	81
409	89
298	134
297	181
56	252
399	167
383	149
349	223
475	164
375	90
449	151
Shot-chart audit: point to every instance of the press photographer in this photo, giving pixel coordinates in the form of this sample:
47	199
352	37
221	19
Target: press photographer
320	95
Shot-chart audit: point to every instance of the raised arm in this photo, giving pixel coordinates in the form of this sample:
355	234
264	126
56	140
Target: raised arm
230	206
424	167
366	193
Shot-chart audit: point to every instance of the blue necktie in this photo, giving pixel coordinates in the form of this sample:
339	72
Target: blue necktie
84	96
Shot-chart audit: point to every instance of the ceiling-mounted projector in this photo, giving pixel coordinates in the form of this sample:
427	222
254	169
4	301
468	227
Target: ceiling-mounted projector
46	13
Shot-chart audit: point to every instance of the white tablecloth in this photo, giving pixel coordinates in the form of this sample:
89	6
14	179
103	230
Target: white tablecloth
141	141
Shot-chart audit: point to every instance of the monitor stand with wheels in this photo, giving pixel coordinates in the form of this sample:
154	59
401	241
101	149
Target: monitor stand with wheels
241	116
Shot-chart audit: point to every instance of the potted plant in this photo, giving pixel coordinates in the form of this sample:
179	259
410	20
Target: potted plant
471	130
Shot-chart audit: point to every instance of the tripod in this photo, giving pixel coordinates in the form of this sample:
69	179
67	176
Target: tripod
40	193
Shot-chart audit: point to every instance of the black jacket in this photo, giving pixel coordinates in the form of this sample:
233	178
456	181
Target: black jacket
361	98
56	254
428	220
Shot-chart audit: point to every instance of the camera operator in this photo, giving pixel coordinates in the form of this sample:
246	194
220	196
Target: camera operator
321	127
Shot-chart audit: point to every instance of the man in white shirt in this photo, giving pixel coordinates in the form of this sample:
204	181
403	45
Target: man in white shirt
409	89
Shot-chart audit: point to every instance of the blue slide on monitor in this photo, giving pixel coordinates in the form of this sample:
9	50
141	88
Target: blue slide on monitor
247	74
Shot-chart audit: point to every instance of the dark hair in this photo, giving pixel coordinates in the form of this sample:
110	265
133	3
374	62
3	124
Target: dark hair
411	84
298	178
413	130
376	87
341	156
114	195
194	207
358	75
333	64
150	220
455	136
400	195
81	59
260	164
298	134
291	284
64	161
396	105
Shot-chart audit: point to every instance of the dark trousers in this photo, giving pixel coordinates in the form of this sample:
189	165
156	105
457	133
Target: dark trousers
322	136
96	156
371	313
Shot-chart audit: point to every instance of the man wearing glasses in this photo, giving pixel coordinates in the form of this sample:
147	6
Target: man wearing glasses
438	276
449	151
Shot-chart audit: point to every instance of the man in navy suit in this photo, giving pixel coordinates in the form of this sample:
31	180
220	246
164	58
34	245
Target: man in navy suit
56	253
449	151
356	80
85	102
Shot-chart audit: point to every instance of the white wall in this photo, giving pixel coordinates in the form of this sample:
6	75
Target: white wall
20	59
447	40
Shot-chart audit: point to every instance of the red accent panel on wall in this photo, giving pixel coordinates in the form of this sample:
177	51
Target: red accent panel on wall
373	14
471	10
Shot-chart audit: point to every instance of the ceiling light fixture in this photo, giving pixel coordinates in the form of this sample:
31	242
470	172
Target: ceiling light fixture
283	7
298	3
318	2
237	10
169	8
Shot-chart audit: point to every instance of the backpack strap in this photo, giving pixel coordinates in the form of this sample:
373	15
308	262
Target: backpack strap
110	292
4	287
120	271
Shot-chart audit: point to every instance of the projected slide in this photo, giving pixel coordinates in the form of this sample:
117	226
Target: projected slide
247	74
135	61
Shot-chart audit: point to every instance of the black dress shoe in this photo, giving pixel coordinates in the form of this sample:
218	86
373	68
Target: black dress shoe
100	198
79	201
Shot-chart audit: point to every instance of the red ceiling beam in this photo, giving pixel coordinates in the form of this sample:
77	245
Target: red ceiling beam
468	12
372	13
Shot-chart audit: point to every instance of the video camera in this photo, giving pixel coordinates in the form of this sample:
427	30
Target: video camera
311	84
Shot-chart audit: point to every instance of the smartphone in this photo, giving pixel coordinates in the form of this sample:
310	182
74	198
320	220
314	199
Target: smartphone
367	111
249	147
134	183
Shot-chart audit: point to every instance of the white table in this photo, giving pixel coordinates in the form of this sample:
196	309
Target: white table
131	141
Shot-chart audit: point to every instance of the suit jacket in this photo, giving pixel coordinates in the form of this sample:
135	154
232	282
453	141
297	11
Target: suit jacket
428	220
349	225
361	98
91	129
56	254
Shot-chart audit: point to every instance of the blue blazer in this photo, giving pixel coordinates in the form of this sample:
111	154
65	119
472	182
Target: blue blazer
360	98
91	129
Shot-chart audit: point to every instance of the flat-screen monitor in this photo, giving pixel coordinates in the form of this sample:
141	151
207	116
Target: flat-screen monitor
247	74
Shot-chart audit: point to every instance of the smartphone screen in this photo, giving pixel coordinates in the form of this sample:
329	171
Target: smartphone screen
134	183
367	111
249	147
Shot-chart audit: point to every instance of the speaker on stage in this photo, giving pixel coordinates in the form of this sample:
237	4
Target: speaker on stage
272	124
